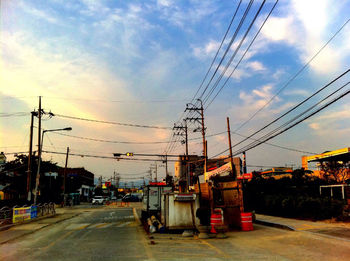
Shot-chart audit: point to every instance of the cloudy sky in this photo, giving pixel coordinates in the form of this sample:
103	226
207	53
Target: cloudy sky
140	62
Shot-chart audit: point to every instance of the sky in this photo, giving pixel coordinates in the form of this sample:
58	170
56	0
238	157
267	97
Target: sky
141	62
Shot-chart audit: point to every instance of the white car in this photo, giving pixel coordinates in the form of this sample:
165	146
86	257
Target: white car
97	200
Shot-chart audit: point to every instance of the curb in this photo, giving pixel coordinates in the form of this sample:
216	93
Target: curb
3	228
136	216
276	225
32	231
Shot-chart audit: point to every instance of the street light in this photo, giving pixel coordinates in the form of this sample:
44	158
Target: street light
39	159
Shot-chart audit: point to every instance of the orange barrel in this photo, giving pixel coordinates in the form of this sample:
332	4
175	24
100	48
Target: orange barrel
246	221
216	219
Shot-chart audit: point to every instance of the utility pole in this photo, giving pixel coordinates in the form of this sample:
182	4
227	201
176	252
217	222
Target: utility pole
244	163
29	171
65	175
182	130
37	180
156	171
199	119
154	167
234	174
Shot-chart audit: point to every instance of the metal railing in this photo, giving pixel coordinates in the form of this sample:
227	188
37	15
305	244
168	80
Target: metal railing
6	213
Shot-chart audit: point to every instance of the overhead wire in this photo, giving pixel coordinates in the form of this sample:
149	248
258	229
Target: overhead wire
172	140
113	123
293	108
295	76
111	141
234	54
271	134
242	57
294	124
217	52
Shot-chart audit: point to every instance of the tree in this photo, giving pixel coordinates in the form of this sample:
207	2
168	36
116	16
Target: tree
338	171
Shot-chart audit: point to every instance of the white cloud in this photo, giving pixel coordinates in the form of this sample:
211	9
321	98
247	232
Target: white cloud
278	73
307	26
256	66
39	13
280	29
314	126
181	16
297	92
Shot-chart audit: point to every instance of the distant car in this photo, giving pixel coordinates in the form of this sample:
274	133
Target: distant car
113	198
98	200
130	198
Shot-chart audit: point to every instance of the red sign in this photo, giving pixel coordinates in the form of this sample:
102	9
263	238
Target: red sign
246	176
157	183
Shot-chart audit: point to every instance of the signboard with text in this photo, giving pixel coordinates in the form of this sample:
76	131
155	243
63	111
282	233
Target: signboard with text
224	170
21	214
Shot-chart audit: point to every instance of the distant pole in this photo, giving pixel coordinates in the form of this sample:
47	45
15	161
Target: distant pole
166	168
29	171
244	163
230	147
65	172
156	172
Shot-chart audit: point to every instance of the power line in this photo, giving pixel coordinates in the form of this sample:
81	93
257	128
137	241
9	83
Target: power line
104	157
230	44
270	136
295	76
234	54
174	139
113	123
13	114
242	57
217	52
116	101
293	108
277	146
111	141
298	122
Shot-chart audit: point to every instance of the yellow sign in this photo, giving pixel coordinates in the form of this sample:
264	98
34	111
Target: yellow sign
21	214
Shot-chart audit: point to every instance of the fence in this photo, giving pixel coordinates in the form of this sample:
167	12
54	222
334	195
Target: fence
19	214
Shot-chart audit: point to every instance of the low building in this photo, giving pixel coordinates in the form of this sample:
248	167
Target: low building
79	180
277	172
332	165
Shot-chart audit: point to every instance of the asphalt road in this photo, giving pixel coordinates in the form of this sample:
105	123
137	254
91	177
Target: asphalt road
96	234
114	234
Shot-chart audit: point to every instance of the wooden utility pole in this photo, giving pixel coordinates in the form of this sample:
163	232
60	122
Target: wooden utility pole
230	147
203	133
244	163
29	171
37	180
65	173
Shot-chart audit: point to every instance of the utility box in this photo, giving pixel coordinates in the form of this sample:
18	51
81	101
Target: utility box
151	203
179	210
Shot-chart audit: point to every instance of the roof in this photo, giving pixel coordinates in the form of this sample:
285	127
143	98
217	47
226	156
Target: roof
335	155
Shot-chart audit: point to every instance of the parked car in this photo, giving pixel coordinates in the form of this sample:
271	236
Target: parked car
130	198
98	200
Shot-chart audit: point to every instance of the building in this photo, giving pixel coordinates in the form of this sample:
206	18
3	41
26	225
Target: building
333	165
79	180
277	172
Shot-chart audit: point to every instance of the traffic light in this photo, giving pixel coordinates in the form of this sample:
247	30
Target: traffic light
130	154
